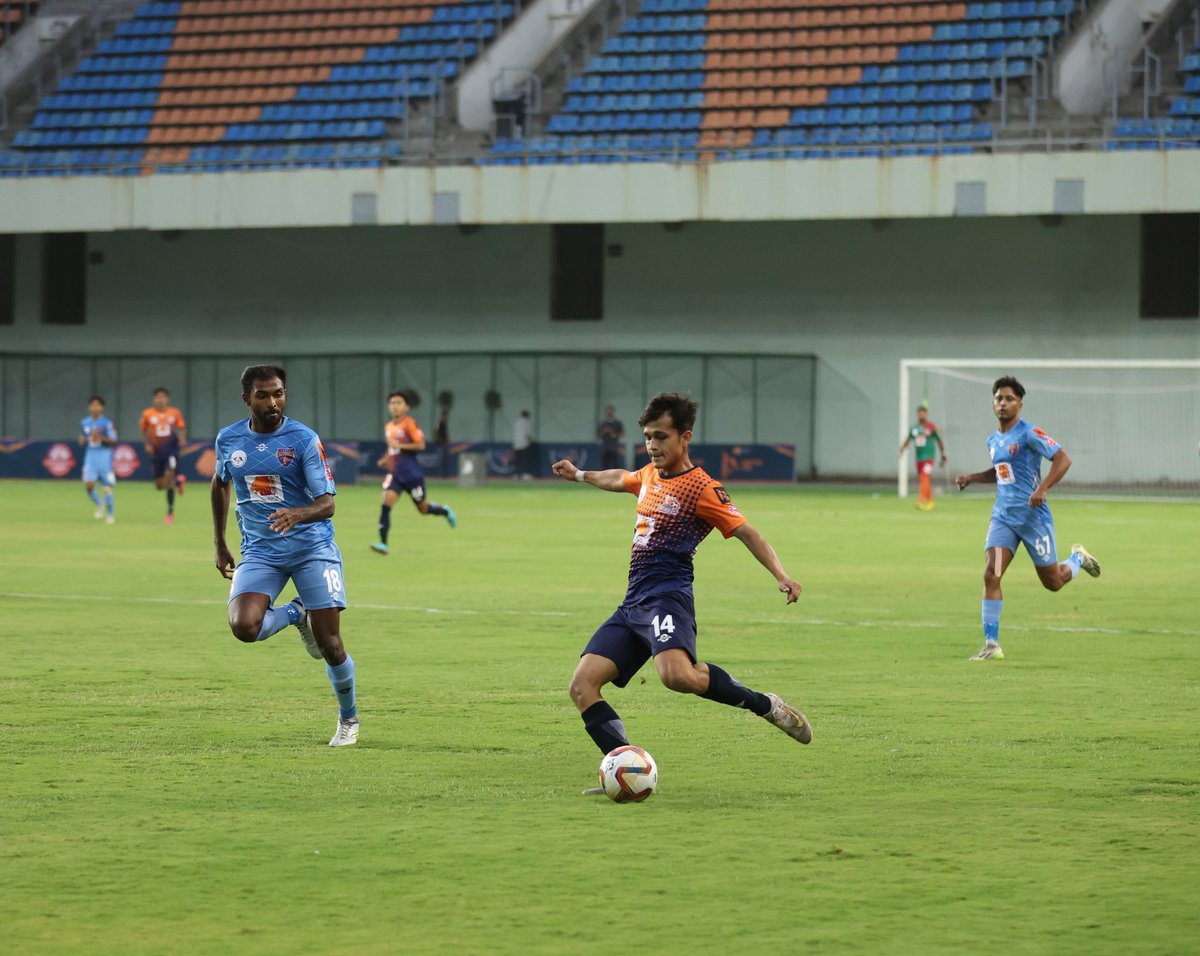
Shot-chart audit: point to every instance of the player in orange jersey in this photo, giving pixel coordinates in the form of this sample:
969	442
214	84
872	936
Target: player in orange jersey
163	431
404	440
678	505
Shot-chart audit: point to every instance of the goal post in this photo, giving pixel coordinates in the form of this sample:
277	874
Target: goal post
1131	426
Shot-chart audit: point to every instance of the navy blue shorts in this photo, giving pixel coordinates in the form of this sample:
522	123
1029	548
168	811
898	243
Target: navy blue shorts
399	484
637	631
164	460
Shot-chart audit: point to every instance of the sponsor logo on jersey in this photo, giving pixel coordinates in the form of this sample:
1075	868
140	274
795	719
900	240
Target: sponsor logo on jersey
722	495
1046	438
286	456
265	488
1004	473
668	506
238	458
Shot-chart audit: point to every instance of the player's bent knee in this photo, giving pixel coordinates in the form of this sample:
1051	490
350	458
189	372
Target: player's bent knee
581	690
245	628
682	681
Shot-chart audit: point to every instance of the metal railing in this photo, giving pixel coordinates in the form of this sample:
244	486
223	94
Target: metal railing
675	150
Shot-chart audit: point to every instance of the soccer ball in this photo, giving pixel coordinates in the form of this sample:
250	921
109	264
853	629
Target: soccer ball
628	775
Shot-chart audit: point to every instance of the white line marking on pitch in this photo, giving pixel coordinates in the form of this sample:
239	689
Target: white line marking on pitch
817	622
929	625
209	601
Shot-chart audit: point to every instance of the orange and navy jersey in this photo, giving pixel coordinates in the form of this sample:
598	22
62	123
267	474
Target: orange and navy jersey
674	514
404	432
163	426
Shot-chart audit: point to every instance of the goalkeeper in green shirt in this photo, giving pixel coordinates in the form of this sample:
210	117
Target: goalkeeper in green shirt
922	435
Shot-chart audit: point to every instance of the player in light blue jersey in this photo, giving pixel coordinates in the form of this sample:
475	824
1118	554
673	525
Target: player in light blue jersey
284	492
98	435
1021	513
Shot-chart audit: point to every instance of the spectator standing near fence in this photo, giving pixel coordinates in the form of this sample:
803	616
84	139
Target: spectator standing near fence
522	443
611	433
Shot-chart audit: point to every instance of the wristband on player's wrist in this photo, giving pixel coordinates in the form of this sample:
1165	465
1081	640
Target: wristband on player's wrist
580	474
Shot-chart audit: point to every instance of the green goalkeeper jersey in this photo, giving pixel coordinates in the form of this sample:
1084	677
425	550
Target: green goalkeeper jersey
924	437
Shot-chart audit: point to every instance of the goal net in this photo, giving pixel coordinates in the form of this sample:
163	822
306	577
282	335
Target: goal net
1130	427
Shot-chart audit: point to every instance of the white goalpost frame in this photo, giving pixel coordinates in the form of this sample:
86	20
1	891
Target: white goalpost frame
908	365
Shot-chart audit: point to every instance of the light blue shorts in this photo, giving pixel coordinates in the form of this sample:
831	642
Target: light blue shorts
317	575
102	473
1037	534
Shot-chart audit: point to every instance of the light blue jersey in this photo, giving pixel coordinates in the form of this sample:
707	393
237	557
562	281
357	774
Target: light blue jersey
1017	457
98	458
283	469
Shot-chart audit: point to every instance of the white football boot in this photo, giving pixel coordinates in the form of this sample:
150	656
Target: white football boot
347	732
306	631
788	719
1088	564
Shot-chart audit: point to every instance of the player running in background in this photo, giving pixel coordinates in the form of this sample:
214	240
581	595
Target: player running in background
1020	513
922	435
284	493
98	435
404	439
678	505
163	431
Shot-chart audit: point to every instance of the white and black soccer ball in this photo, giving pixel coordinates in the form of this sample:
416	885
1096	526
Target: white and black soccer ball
628	774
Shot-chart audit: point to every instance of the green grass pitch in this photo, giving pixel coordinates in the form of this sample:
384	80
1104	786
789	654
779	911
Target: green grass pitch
166	789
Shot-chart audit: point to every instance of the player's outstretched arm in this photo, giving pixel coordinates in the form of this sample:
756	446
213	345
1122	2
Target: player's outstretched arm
761	548
980	477
1058	467
611	480
220	511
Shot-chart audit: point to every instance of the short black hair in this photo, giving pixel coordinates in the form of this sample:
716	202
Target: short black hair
164	391
97	398
259	373
1007	381
409	396
681	408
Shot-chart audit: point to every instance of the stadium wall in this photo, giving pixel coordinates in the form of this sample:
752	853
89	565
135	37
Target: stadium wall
859	295
1001	184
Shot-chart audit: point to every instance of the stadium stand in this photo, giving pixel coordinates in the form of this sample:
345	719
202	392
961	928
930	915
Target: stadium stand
206	85
802	78
14	14
1179	129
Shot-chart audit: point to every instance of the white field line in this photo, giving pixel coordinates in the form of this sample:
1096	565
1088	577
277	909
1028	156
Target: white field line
30	596
811	621
932	626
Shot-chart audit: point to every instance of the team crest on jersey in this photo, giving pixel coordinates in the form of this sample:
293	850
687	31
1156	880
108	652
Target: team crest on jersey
238	458
285	455
668	506
722	495
1013	448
